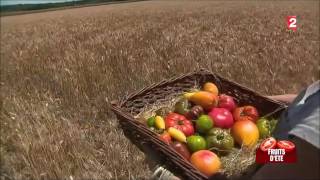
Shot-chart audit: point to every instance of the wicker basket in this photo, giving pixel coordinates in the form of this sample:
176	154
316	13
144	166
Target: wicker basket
149	143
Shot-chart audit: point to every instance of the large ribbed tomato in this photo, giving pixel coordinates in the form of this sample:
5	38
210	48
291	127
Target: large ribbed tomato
246	113
179	122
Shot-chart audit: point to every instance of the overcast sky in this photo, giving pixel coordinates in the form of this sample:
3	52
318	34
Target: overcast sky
11	2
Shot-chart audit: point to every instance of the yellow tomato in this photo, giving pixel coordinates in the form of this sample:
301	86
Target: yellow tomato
210	87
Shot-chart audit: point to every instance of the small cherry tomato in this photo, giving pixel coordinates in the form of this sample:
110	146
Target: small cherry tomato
286	145
268	143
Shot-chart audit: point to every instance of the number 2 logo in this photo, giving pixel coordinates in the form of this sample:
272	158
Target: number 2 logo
292	23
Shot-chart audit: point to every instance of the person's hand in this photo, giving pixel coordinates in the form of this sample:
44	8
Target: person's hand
285	98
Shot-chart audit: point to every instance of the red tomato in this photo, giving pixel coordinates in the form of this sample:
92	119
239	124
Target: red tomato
246	113
165	137
268	143
286	145
179	122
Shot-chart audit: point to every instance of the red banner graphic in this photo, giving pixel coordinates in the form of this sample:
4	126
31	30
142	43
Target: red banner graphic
272	151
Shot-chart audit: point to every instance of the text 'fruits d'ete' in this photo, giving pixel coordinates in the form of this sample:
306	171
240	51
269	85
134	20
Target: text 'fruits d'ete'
205	125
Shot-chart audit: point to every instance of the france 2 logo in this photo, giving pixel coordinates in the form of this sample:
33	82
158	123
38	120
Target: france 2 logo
292	23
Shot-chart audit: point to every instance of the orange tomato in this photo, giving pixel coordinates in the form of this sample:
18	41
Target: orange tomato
210	87
205	99
245	133
206	162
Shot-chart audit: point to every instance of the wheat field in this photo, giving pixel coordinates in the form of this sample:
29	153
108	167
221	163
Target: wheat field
60	68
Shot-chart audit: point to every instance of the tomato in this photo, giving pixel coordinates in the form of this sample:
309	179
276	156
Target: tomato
151	121
227	102
165	137
206	162
266	127
212	88
221	117
268	143
286	145
220	139
179	122
182	149
204	123
182	106
245	133
194	112
196	143
246	113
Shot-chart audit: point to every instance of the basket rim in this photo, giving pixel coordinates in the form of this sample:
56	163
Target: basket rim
126	98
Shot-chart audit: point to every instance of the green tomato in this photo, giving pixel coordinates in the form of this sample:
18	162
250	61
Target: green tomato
273	124
182	106
196	143
151	121
220	140
263	127
204	123
266	127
